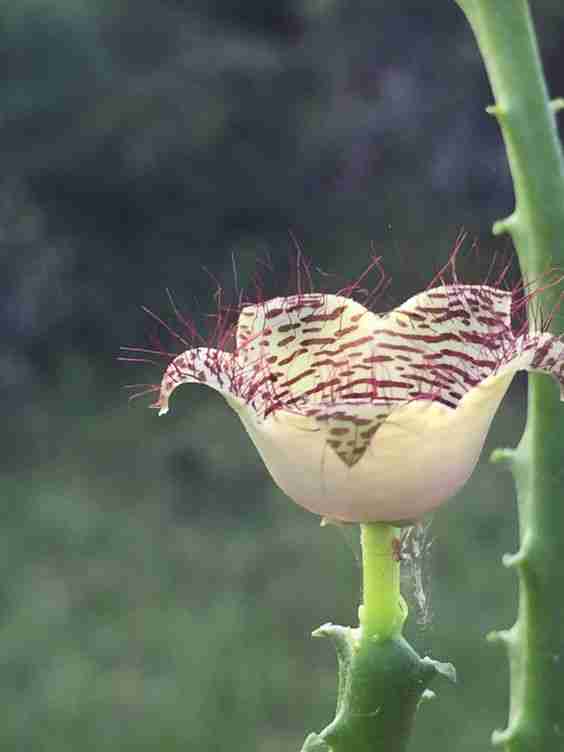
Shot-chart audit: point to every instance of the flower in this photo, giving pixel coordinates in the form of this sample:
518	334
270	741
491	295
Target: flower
363	417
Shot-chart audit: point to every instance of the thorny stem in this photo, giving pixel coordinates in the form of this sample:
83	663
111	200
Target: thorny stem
535	643
383	611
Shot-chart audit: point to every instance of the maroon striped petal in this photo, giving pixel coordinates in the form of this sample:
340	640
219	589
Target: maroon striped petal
202	365
327	358
302	350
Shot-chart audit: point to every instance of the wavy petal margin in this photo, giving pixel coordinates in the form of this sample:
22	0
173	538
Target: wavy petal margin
330	360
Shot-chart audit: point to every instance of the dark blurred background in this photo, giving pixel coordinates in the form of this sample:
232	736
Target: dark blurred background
157	590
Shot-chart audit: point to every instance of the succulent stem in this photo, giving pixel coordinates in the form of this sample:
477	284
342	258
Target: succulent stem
382	680
535	644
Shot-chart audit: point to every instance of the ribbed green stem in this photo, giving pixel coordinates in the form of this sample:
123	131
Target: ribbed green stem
383	612
506	38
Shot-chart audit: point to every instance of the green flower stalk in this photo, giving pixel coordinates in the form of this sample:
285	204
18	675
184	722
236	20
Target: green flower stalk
383	610
382	680
535	643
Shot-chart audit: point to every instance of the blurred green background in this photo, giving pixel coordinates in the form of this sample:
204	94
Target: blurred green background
157	590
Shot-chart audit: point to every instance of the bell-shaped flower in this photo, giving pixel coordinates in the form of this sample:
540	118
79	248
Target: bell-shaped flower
364	417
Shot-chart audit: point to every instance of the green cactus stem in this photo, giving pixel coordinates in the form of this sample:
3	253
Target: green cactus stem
381	684
382	680
535	643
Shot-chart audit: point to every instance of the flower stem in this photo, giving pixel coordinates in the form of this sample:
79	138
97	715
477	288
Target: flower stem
535	643
382	680
383	611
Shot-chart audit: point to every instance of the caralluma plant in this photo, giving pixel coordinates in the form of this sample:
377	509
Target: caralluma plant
375	419
378	419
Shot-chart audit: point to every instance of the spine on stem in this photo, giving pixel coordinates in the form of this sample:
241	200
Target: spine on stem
535	643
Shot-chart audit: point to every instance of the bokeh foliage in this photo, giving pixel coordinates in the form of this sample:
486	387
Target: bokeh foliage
158	592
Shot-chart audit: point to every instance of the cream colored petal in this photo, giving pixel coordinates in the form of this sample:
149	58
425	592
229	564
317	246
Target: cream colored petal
441	343
314	349
444	305
309	346
418	458
437	345
363	418
298	315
